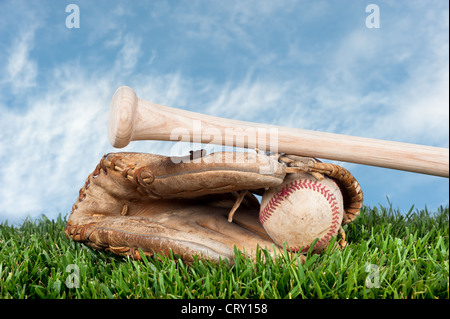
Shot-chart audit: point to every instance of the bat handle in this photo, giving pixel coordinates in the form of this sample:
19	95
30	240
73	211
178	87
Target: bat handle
122	116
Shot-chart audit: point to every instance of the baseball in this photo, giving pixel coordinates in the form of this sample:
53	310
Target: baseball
302	209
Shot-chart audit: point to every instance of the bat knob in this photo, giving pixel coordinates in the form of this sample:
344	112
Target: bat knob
122	116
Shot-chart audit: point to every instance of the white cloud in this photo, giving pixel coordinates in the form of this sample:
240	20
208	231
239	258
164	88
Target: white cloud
21	70
129	54
419	110
249	100
45	144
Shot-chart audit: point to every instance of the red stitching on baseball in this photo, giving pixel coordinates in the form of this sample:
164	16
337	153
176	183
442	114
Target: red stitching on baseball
288	189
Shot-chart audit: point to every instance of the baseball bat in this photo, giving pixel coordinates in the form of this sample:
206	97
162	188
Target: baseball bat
132	118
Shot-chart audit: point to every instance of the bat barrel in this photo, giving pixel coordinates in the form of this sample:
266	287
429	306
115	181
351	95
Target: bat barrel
132	118
122	116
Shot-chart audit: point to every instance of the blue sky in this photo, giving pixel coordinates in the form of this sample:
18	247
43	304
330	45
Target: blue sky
307	64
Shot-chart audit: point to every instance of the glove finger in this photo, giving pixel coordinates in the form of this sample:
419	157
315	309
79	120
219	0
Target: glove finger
163	177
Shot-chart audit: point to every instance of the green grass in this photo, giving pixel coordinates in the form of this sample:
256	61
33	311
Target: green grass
395	255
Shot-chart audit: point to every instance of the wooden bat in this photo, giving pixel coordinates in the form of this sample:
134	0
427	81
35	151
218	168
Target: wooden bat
133	119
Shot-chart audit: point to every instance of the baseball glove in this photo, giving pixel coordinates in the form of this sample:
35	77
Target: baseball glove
196	205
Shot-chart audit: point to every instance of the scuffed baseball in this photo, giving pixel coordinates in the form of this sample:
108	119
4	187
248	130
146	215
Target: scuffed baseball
302	209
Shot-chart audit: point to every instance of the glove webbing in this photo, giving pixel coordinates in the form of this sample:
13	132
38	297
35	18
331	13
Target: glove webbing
352	193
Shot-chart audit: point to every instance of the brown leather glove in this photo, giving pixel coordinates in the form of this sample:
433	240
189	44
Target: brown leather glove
198	205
